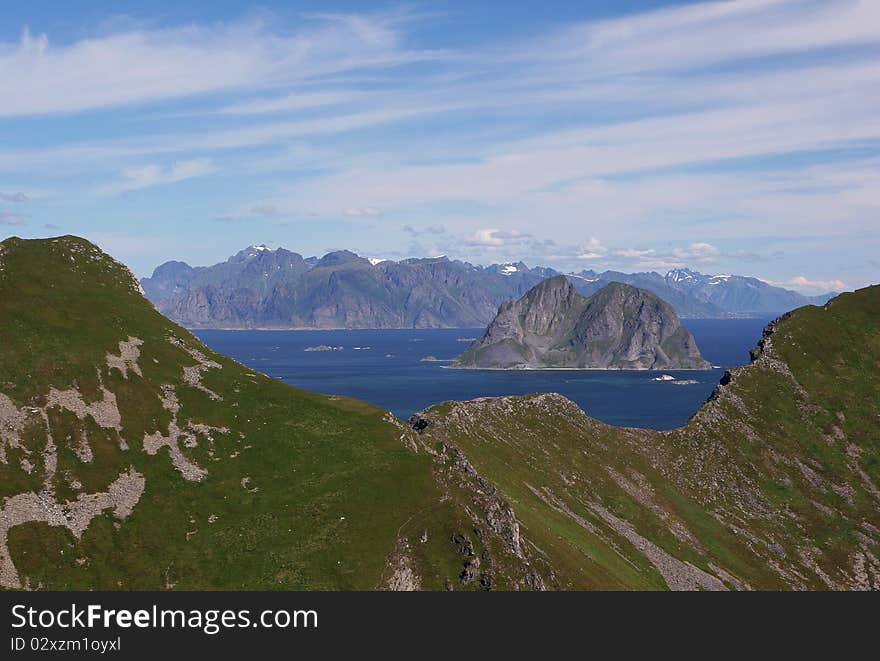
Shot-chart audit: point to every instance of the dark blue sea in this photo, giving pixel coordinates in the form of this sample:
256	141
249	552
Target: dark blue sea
385	367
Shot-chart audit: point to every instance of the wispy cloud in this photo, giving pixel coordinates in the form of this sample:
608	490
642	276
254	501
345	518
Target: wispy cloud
304	100
806	285
78	157
147	176
362	212
13	197
420	231
705	34
695	254
264	210
591	249
143	65
496	238
9	218
713	133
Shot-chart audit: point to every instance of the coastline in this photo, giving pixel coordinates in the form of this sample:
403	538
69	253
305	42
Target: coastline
325	328
714	368
365	328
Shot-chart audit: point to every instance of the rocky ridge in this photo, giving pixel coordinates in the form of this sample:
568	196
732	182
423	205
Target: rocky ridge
553	326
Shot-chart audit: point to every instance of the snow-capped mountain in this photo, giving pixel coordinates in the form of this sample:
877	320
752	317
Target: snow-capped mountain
264	287
738	294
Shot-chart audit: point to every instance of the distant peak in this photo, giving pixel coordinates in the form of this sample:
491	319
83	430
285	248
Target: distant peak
627	290
339	257
551	284
684	275
251	251
583	276
679	273
509	268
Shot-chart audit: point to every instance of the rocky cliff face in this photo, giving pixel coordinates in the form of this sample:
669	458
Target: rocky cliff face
553	326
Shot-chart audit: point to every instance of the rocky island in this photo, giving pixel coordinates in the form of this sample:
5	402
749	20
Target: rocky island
553	326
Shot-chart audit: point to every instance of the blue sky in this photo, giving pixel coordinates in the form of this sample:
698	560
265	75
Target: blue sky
734	137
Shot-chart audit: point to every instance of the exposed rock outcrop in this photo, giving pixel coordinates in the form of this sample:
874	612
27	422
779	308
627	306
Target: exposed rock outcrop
619	327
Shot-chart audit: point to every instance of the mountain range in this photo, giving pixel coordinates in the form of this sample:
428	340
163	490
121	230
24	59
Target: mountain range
134	457
552	326
695	294
263	288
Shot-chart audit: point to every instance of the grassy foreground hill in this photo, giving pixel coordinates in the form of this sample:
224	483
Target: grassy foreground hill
133	457
773	484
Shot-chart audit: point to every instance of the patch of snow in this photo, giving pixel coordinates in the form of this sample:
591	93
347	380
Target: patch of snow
375	260
253	251
508	269
718	279
679	275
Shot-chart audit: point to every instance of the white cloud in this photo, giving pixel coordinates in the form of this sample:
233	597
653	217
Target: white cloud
495	237
78	157
363	212
144	65
635	253
706	33
264	210
808	286
577	181
295	101
9	218
592	249
13	197
147	176
697	253
418	231
629	112
694	254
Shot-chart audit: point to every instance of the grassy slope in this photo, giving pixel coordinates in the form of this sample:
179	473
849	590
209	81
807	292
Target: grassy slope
334	483
773	481
771	485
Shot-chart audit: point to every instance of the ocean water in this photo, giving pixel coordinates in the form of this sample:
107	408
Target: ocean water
385	367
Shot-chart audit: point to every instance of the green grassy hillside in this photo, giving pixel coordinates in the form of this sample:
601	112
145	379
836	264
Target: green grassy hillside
772	485
133	457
